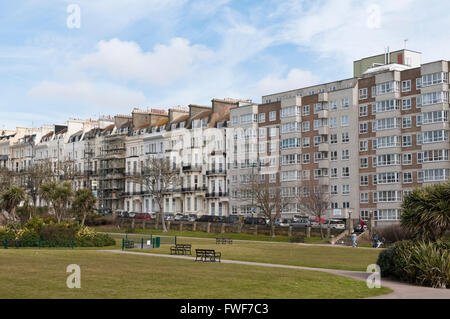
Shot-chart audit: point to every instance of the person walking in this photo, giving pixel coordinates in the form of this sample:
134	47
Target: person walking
375	241
354	239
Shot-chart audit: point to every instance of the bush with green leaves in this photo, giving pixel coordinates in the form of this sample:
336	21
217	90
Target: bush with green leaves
419	262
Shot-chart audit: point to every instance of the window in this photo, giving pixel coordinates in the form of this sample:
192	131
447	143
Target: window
406	122
364	198
262	117
364	162
306	142
432	175
363	146
333	122
334	190
418	83
333	105
273	131
334	172
305	110
272	116
434	78
432	156
363	128
345	103
345	155
363	110
387	159
345	172
305	126
262	132
387	196
406	104
387	87
345	138
387	141
364	180
290	127
432	137
290	111
406	86
333	139
345	204
407	159
344	120
305	158
387	105
363	93
333	155
345	189
407	141
407	177
387	178
432	98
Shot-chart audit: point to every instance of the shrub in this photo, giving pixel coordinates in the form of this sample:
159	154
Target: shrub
7	233
419	262
394	233
98	240
59	231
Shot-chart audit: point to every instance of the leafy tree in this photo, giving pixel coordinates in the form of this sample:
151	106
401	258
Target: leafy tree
58	196
426	211
10	199
84	203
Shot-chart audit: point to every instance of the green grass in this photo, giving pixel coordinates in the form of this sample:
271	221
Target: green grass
42	274
331	257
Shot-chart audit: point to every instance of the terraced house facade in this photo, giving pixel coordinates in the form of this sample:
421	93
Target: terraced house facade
368	140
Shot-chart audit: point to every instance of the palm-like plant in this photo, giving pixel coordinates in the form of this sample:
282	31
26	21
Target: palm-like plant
426	211
11	199
84	203
58	196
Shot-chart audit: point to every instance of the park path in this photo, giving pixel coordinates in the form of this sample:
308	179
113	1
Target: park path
400	290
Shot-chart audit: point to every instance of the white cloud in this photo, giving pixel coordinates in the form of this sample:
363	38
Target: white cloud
126	60
295	79
103	97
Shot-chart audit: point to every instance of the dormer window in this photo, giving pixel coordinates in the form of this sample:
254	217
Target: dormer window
182	125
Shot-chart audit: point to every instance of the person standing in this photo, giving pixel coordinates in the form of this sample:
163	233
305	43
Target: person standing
354	239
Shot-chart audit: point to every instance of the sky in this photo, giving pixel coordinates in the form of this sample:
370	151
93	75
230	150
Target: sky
62	59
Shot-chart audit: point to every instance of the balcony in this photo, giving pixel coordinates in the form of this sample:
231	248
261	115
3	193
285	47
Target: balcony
323	114
324	180
216	194
324	147
323	97
192	168
323	130
220	172
324	164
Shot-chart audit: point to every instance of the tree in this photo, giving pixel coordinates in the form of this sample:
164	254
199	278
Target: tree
10	199
426	211
6	178
266	198
58	196
37	174
314	200
158	177
84	202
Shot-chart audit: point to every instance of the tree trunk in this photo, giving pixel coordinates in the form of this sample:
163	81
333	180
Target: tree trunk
161	211
84	219
272	229
321	229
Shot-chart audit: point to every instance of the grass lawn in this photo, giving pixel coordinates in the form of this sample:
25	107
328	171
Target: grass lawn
26	273
332	257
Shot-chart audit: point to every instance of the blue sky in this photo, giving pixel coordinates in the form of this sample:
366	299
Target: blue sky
163	53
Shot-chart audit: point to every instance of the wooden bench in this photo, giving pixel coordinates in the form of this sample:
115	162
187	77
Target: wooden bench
224	241
181	249
207	255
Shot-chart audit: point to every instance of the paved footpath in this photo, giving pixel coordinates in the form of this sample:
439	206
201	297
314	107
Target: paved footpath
400	290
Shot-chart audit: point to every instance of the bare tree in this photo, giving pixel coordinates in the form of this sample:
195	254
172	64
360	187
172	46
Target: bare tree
38	174
266	198
314	200
6	178
158	177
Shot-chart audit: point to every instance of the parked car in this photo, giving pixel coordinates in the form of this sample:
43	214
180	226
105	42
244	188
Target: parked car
232	219
104	211
120	213
210	219
255	221
298	218
145	216
153	215
132	214
169	216
335	224
301	222
192	218
282	222
178	216
315	223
